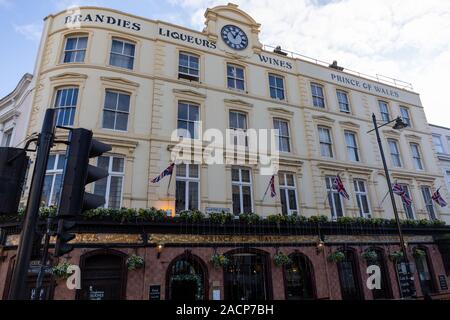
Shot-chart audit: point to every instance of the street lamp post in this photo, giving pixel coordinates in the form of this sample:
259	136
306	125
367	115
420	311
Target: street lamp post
399	124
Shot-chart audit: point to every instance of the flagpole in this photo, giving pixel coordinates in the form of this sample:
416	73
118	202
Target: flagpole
384	199
265	193
170	180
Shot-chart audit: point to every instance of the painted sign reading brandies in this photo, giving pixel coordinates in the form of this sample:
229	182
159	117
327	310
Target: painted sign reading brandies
101	18
187	38
364	85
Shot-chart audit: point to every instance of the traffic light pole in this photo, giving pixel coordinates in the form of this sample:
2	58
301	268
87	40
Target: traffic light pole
22	264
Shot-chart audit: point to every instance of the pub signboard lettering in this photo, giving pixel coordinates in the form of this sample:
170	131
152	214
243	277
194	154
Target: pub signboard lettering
406	282
443	283
75	19
275	62
360	84
155	293
180	36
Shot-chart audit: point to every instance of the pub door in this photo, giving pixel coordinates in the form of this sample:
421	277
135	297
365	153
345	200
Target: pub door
246	277
349	277
103	278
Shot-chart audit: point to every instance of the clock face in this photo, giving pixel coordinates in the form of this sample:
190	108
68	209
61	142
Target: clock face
234	37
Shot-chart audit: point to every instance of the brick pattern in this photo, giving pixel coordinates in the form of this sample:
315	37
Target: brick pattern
325	273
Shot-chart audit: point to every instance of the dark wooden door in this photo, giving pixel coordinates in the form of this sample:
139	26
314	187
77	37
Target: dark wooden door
102	278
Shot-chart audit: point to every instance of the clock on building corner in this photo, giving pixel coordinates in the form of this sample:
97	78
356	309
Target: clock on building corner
234	37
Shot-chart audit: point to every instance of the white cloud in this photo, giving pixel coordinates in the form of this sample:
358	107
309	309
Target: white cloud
407	40
30	31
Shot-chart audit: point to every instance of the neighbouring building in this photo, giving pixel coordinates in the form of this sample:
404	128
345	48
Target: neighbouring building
15	110
441	141
134	81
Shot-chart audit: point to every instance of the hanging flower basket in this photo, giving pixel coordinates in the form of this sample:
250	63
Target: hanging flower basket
219	261
135	262
60	271
370	255
396	255
419	253
282	259
336	257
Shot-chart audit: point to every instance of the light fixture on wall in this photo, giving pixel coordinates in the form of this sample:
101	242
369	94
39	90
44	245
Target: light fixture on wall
159	250
320	246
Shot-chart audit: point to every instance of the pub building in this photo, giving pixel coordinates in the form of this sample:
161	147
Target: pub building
133	81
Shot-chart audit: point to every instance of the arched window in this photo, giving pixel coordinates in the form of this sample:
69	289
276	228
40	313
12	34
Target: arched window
349	277
385	292
187	279
246	277
299	278
103	276
425	272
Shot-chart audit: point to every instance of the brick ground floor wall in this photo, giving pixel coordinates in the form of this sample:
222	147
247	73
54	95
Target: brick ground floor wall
325	274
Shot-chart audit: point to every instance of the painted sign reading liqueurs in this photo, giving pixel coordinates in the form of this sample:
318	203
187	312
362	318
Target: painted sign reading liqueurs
180	36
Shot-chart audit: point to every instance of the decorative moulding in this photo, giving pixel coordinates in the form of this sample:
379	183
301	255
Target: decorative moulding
69	75
349	124
190	93
323	119
120	81
238	102
281	111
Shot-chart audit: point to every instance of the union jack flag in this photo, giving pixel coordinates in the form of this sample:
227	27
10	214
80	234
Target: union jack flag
438	199
339	185
165	173
398	190
273	193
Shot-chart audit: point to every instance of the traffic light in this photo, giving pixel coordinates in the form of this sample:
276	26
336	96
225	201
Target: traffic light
13	167
77	174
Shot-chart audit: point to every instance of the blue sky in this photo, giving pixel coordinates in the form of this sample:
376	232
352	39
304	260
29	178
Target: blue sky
404	39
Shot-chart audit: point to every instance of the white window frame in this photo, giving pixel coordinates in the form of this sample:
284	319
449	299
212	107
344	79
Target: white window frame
406	119
359	195
342	93
235	77
54	172
276	87
238	135
447	177
430	204
279	136
192	74
76	50
439	146
116	111
187	179
330	193
196	123
398	154
242	184
7	134
111	174
417	159
328	143
352	151
408	191
71	108
384	113
315	95
285	188
133	57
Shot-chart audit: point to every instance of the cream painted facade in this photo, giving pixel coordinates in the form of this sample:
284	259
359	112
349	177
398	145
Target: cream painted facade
441	140
155	90
14	113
